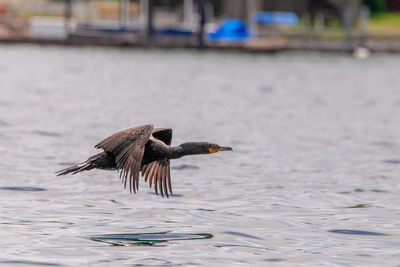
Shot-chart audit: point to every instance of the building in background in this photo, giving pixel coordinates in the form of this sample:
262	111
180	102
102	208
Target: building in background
185	23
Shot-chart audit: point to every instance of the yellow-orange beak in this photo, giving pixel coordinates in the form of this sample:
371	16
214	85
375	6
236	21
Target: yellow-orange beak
218	149
213	150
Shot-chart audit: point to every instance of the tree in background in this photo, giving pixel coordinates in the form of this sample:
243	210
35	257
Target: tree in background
376	6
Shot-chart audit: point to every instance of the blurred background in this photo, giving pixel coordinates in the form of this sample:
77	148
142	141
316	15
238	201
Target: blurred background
328	25
306	92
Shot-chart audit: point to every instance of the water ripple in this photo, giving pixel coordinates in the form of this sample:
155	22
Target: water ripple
392	161
46	133
356	232
22	188
242	235
29	263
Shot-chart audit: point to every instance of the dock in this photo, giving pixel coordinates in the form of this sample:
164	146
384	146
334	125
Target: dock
67	30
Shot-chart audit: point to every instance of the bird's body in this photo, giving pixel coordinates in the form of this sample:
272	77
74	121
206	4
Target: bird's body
142	149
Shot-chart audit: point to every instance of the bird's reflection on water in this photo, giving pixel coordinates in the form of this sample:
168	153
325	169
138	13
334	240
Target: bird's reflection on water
184	167
147	239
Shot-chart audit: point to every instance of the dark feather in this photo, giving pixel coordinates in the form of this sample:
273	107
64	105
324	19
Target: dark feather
169	179
158	174
163	134
128	147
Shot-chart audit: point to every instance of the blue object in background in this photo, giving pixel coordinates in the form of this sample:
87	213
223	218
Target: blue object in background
231	30
275	18
107	29
172	31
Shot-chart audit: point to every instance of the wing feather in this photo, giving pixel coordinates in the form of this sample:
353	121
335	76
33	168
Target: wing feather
156	179
144	171
169	179
157	173
159	179
164	181
128	147
151	174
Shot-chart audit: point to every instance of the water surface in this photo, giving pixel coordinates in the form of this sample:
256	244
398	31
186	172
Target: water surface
313	179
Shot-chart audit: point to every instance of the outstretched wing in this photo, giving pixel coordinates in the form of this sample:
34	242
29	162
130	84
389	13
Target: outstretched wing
163	134
158	172
128	147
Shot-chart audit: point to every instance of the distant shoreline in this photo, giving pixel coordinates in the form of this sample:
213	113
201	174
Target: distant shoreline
274	44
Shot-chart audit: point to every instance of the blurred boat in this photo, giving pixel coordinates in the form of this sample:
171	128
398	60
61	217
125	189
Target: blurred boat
230	30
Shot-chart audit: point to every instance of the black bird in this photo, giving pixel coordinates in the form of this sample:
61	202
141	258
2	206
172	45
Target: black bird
142	149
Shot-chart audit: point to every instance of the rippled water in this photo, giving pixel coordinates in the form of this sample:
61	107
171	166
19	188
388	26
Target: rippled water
313	179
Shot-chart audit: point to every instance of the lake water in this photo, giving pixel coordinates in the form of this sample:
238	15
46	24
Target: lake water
313	179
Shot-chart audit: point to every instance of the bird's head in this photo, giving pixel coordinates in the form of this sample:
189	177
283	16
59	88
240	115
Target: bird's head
204	148
213	148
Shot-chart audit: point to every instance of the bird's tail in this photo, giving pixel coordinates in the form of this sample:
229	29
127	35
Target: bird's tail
87	165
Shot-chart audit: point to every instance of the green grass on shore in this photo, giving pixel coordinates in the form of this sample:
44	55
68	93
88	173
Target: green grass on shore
385	24
380	25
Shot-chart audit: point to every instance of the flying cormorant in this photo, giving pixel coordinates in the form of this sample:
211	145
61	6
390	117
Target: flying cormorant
142	149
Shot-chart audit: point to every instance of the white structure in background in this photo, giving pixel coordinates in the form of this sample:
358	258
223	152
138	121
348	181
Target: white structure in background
49	28
124	13
188	14
79	9
144	6
361	53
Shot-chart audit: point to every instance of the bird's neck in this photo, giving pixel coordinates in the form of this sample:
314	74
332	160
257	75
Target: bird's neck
185	149
176	152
